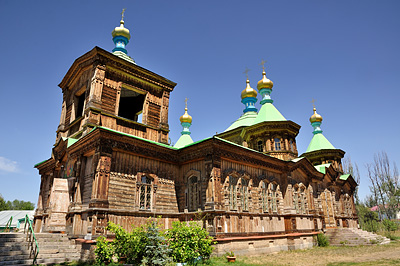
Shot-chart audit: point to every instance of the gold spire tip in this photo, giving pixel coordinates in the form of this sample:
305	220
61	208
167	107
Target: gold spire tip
313	103
263	64
186	104
247	73
122	14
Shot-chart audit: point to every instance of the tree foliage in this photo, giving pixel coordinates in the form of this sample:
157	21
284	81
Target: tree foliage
148	245
352	169
189	242
15	205
384	187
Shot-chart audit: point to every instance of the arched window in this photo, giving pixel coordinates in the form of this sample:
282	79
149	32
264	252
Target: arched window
264	195
270	202
193	193
244	194
327	206
260	147
300	199
291	145
277	142
347	205
273	196
233	192
145	189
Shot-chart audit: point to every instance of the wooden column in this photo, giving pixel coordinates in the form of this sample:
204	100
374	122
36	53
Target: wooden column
101	181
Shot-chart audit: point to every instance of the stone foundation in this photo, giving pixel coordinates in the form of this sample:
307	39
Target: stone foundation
255	245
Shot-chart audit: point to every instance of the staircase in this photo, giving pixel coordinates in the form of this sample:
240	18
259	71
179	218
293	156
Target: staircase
53	248
354	237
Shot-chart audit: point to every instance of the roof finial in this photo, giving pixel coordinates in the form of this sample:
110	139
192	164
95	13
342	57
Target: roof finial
122	14
263	64
313	103
246	72
186	100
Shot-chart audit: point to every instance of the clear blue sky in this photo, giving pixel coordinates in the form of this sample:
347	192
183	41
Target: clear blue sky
344	54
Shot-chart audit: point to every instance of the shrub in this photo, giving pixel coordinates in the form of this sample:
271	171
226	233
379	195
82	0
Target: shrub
156	250
128	245
104	250
187	243
322	240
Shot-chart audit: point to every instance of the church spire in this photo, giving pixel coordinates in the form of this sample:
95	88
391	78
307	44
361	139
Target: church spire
318	142
186	122
316	121
249	96
264	86
121	37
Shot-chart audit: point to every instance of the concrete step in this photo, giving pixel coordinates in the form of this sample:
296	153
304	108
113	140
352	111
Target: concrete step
53	248
354	236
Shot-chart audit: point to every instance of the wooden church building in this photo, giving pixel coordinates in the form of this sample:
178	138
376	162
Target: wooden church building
248	185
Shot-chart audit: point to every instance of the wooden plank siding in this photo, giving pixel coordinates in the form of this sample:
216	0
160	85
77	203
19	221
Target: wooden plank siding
109	98
123	182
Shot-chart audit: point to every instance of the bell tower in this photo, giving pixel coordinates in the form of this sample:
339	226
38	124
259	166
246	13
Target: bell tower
103	89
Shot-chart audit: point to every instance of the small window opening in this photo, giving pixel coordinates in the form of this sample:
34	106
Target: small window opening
81	103
145	190
130	104
277	144
260	146
291	145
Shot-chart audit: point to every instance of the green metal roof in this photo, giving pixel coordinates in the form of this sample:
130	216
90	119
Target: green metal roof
124	56
71	141
267	113
132	136
36	165
183	141
246	119
319	142
295	160
322	167
344	177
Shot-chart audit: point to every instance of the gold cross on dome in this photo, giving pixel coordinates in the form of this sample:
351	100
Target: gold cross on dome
122	13
313	103
246	72
186	103
262	64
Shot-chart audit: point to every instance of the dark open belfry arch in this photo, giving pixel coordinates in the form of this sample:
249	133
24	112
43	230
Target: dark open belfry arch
130	104
247	185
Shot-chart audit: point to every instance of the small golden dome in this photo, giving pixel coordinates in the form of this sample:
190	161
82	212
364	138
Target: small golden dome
265	83
315	117
121	31
248	91
186	118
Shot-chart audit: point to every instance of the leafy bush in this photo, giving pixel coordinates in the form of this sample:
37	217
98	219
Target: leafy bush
390	225
128	245
104	250
368	219
322	240
187	243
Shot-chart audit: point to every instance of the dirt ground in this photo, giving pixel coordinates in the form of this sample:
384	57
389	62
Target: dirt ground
371	255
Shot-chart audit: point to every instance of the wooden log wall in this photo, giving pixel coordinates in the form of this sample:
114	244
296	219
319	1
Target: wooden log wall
123	182
122	191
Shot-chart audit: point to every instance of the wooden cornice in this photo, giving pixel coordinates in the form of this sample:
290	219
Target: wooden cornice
270	127
104	140
46	166
110	60
324	153
307	167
